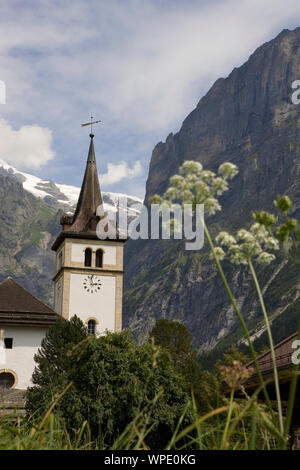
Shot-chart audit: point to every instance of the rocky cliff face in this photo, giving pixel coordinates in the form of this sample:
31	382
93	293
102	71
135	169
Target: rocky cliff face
247	118
28	227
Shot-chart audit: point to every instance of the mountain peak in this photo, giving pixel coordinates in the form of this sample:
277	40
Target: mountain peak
247	118
62	196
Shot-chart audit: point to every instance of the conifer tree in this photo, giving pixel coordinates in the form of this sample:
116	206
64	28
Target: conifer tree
112	380
174	337
55	358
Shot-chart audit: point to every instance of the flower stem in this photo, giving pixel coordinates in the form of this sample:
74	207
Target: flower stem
240	317
224	437
266	318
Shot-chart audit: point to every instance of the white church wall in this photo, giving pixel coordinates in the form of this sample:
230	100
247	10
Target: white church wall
58	295
109	255
2	351
20	359
99	305
60	258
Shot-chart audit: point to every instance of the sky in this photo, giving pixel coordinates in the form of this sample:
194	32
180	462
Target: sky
139	66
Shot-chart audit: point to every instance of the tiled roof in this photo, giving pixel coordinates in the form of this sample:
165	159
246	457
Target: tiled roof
18	306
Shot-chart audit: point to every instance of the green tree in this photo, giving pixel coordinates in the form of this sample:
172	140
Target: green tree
115	379
232	354
54	360
177	340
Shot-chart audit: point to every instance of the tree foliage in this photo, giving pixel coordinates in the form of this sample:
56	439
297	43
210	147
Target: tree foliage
177	340
113	379
55	359
233	354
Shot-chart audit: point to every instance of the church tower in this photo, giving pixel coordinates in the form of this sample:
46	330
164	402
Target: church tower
88	279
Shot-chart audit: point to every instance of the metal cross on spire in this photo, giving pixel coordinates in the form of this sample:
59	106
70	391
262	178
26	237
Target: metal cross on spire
90	124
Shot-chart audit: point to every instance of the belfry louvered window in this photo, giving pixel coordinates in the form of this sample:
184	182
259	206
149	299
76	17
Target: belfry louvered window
88	257
99	258
91	327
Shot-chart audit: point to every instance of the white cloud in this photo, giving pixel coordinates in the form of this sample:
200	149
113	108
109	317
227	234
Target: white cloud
140	67
159	65
28	147
117	172
144	64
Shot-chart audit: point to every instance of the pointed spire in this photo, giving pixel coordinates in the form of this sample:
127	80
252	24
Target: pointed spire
91	155
90	198
84	222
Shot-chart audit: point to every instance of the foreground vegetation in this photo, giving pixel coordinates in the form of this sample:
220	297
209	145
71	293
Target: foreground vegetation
110	393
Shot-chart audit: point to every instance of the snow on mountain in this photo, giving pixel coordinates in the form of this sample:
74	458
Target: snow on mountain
65	196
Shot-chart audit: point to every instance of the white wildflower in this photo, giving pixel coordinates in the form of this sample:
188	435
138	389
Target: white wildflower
176	180
211	206
265	258
219	186
171	193
225	239
201	190
186	196
191	179
236	255
197	186
259	231
251	245
272	243
220	253
251	248
228	170
208	176
191	167
245	236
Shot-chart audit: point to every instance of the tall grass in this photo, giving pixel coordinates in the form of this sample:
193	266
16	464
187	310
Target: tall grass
240	425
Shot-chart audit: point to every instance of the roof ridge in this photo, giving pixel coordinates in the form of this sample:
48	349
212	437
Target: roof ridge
27	292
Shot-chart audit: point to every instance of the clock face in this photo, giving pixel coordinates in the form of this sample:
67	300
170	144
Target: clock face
92	284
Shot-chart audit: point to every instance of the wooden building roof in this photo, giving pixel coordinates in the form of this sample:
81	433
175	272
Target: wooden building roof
283	355
20	307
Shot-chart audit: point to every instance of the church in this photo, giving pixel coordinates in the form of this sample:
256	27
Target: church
88	282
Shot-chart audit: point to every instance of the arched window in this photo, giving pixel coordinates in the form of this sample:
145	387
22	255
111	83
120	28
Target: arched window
88	257
91	327
7	380
99	258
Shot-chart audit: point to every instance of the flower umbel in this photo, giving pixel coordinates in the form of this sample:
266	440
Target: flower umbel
234	376
193	185
248	245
